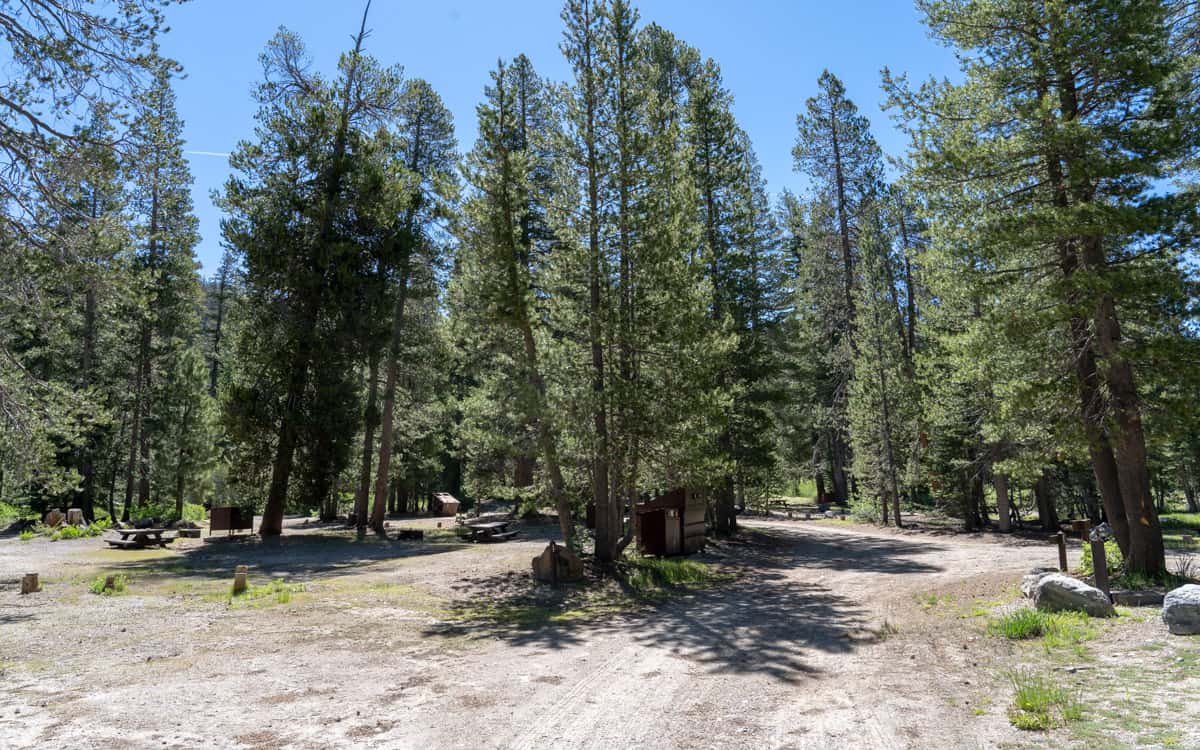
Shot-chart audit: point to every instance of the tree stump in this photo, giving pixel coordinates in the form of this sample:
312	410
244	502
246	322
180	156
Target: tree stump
74	517
239	579
29	583
54	518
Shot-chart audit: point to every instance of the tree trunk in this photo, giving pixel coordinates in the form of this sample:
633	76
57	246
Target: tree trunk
215	366
1047	513
1003	508
370	420
387	427
608	513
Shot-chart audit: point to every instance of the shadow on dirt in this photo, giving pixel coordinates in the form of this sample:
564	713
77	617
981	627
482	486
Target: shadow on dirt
294	556
765	621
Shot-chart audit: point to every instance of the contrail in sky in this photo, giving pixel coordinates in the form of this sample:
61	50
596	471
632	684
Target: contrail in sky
208	153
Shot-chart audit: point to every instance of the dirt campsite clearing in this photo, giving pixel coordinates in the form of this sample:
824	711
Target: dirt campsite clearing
807	635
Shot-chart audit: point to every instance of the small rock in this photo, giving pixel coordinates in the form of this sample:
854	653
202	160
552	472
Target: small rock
1181	610
1058	592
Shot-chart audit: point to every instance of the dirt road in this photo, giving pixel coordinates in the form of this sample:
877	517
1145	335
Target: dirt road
831	638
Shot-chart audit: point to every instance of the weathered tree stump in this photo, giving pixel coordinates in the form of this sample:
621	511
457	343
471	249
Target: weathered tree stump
54	518
29	583
239	579
74	517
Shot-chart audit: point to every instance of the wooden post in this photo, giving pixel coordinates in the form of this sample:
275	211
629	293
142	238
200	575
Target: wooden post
239	579
1100	565
29	583
553	563
110	582
1061	538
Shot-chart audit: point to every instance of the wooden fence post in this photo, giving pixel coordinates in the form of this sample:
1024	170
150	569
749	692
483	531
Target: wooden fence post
1061	538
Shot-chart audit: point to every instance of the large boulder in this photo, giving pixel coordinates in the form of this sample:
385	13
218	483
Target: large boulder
1059	593
1033	578
1181	610
569	565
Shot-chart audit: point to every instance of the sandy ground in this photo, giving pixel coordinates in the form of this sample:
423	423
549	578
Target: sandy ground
831	637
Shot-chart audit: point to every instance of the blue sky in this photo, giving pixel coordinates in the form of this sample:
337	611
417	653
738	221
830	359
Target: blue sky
770	52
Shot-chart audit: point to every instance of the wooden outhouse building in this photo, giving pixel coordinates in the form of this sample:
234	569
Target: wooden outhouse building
670	524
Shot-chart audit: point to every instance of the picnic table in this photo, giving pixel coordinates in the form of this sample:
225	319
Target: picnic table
488	531
138	538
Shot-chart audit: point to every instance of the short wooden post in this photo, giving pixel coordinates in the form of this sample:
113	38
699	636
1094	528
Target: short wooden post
239	579
1100	565
1061	538
29	583
110	582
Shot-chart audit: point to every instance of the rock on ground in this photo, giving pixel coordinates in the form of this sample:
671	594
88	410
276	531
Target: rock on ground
1181	610
1033	578
1057	592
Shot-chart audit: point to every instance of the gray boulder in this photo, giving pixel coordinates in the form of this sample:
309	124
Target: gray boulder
1029	582
1058	593
1181	610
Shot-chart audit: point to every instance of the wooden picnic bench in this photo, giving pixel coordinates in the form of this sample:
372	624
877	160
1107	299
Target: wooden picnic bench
488	531
138	538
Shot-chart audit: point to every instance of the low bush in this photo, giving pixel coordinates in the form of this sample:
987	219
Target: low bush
100	585
1112	558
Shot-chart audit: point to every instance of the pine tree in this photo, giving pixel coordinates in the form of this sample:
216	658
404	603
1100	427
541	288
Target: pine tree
305	268
739	254
505	248
167	227
1043	156
427	151
835	149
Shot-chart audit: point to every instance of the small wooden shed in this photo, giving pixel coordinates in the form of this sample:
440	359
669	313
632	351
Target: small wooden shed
670	524
444	504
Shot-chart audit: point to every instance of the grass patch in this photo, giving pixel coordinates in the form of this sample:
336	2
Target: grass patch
26	535
1039	704
101	585
651	576
932	599
277	591
1056	629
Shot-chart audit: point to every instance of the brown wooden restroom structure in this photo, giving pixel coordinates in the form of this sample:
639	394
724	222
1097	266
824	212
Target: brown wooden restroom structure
670	524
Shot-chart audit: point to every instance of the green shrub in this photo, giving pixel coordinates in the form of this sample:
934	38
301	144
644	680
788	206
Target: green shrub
99	585
26	535
1112	558
68	532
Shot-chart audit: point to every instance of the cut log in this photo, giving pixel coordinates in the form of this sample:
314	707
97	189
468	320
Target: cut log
74	517
29	583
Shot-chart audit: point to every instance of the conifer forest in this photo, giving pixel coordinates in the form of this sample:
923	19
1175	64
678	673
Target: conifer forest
938	357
